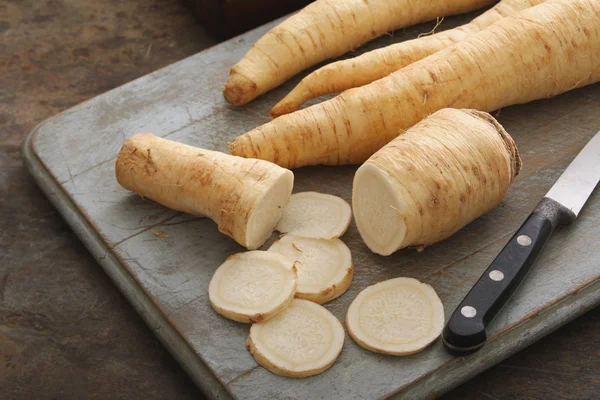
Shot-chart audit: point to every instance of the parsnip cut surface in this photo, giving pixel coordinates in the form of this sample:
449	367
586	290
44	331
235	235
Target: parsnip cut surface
303	340
377	211
253	286
324	266
399	316
316	215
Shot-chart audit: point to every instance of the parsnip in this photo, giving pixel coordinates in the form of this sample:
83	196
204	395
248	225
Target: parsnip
315	215
399	316
324	267
432	180
253	286
376	64
541	52
245	197
326	29
303	340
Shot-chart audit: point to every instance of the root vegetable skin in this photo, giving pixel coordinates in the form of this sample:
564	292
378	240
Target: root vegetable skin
326	29
432	180
541	52
245	197
368	67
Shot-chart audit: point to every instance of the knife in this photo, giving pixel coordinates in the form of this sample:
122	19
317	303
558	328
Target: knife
466	329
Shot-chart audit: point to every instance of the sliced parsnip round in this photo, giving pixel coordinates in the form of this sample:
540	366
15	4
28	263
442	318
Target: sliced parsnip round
253	286
399	316
315	215
324	266
303	340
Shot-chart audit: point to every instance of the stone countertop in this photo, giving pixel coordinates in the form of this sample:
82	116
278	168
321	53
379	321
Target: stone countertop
65	330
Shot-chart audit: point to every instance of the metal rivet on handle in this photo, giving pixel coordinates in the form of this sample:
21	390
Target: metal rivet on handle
496	275
468	311
524	240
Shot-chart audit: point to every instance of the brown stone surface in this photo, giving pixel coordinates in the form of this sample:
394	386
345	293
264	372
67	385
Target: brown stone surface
65	331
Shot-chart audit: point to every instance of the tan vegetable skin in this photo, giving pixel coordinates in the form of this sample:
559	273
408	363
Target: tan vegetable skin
326	29
433	180
245	197
368	67
541	52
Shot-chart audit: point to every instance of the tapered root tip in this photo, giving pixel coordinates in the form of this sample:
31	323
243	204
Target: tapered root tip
237	148
282	108
290	103
239	90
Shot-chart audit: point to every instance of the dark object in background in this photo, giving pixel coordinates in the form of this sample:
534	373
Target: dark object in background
227	18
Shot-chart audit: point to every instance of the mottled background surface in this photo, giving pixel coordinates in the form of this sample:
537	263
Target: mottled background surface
65	331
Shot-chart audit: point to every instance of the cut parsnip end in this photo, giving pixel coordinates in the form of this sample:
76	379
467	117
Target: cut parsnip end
324	266
267	211
253	286
399	316
377	211
315	215
303	340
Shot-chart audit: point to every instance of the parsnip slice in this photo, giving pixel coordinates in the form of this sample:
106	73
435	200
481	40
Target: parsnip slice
253	286
315	215
399	316
324	266
303	340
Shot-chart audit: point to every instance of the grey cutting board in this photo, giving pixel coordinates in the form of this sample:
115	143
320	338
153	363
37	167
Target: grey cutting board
165	278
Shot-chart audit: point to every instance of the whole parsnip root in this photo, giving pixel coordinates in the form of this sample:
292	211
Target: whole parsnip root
433	180
541	52
326	29
376	64
245	197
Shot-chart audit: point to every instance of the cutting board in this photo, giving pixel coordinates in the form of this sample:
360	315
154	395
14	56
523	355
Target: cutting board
163	260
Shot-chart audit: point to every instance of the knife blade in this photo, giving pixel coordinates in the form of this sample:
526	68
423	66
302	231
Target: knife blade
466	329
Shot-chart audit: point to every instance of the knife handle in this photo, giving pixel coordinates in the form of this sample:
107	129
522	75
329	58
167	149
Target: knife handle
466	329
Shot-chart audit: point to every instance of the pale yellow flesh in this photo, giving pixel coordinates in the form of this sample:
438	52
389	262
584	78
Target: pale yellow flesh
303	340
377	211
315	215
267	211
253	286
399	316
324	266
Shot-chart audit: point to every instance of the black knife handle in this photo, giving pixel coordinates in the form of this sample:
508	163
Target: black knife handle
466	329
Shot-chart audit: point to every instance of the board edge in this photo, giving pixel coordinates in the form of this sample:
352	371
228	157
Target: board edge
198	371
